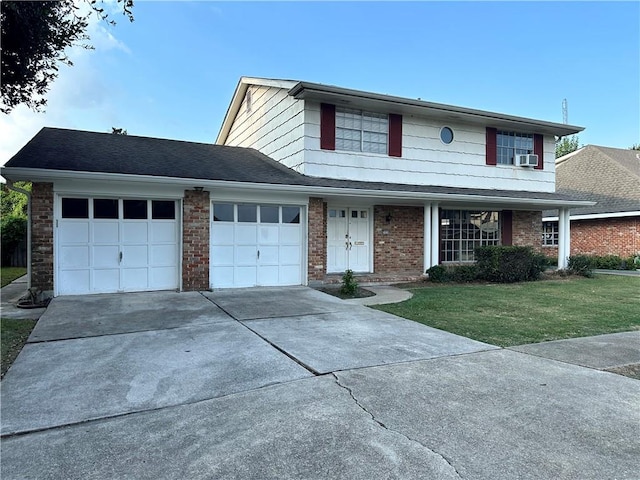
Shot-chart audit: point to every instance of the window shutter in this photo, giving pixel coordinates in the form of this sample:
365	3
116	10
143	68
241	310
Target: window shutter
327	126
538	149
492	151
507	227
395	135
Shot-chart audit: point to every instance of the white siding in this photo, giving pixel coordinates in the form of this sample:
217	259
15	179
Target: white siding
273	125
426	160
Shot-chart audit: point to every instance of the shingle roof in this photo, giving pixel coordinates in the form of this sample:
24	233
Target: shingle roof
81	151
609	176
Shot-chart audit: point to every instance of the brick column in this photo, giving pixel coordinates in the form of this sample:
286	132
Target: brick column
527	229
317	242
195	240
42	236
398	244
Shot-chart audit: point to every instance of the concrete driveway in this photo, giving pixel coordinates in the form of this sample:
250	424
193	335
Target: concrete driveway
293	383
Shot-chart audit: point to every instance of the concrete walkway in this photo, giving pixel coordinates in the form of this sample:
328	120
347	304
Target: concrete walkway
9	296
293	383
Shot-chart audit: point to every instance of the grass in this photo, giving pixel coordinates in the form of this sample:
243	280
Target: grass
13	335
516	314
9	274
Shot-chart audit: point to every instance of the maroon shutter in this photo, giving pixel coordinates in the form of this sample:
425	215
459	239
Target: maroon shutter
327	126
492	151
395	135
538	149
507	227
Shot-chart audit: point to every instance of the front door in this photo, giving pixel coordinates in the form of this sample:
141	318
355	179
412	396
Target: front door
348	240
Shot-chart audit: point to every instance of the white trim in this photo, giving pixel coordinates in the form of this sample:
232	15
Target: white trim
435	234
36	174
426	244
596	216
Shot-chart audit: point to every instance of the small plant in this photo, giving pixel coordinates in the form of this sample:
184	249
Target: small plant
438	274
349	283
581	265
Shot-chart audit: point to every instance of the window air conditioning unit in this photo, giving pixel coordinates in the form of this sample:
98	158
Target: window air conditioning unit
526	160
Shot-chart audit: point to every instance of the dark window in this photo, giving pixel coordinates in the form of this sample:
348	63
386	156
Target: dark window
446	135
247	213
105	208
222	212
75	208
163	210
269	214
291	215
135	209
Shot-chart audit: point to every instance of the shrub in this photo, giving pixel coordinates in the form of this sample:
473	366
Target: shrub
509	264
581	265
453	273
349	283
14	232
438	274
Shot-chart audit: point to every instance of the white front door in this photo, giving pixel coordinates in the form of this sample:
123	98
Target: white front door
348	244
107	245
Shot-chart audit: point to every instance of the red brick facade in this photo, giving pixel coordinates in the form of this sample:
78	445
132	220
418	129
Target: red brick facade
527	229
317	241
398	244
42	236
195	240
603	236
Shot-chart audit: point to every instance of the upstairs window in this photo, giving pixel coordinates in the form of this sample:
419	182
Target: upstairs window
360	131
511	143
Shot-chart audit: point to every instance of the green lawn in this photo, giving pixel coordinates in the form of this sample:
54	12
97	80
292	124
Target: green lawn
516	314
13	335
9	274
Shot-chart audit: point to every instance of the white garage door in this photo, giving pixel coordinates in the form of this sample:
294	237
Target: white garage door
107	245
255	245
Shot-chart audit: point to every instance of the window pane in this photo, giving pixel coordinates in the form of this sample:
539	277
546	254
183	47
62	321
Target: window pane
290	214
247	213
163	210
105	208
269	214
332	213
135	209
75	208
222	212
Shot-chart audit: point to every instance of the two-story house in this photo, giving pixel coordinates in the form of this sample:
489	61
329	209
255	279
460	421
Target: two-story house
304	181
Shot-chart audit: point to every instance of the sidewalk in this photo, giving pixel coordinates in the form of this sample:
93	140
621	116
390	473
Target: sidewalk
10	294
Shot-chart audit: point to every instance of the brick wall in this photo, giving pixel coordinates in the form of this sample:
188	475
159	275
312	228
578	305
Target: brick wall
42	236
527	229
612	236
317	257
195	240
398	245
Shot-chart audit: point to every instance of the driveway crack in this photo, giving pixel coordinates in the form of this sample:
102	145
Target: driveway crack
379	423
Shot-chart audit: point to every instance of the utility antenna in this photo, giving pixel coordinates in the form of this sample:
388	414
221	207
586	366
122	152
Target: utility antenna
565	112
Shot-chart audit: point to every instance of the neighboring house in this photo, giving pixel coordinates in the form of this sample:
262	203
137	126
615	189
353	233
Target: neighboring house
306	181
610	177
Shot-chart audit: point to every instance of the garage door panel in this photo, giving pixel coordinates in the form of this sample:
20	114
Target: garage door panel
74	281
268	275
106	280
75	256
135	279
290	234
245	276
290	275
246	254
269	255
74	232
106	256
223	234
223	277
222	255
290	254
134	256
163	255
162	277
269	235
106	232
134	232
163	232
246	234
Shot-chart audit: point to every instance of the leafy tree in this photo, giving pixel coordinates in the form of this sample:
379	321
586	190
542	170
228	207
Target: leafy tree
635	146
567	145
119	131
34	38
13	203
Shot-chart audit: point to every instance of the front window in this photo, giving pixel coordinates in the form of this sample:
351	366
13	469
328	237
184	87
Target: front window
360	131
549	234
512	143
461	231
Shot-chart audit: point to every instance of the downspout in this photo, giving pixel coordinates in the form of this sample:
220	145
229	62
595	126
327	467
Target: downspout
11	186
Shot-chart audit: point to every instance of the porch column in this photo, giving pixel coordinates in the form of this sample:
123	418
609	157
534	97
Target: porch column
435	234
564	238
426	247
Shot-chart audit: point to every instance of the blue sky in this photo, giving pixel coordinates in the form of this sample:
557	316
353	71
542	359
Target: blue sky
172	72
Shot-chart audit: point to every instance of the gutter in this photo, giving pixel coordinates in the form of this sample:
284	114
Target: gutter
37	174
11	186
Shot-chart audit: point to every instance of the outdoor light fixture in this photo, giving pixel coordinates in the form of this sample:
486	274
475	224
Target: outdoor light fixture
389	217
